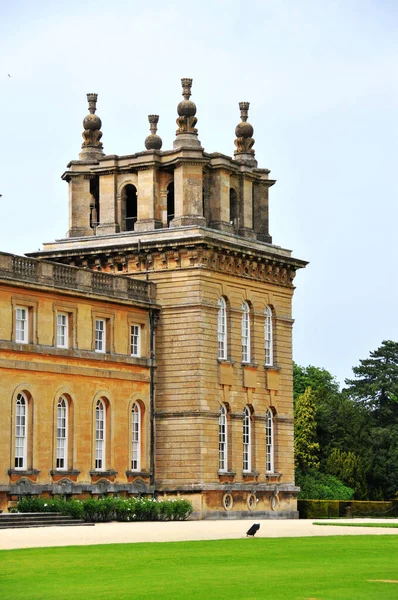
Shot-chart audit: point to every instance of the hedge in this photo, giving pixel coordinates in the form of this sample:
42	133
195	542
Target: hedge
315	509
95	510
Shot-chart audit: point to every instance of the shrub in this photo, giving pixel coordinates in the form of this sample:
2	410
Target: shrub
319	486
96	510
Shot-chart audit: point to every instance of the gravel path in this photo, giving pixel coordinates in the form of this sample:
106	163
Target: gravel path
126	533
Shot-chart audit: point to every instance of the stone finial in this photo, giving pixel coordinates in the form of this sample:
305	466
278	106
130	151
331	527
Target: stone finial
92	134
153	141
186	110
244	132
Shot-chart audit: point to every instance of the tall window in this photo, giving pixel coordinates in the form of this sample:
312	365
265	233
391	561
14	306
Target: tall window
222	329
21	426
130	206
233	208
100	416
62	434
170	203
136	438
245	333
135	340
62	330
269	437
223	439
268	341
247	450
21	325
100	335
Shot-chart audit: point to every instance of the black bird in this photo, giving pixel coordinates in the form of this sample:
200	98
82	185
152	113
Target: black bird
253	530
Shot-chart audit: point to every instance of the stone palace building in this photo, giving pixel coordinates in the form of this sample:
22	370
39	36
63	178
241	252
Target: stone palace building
150	351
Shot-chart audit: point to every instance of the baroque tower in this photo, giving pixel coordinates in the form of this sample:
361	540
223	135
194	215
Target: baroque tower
196	224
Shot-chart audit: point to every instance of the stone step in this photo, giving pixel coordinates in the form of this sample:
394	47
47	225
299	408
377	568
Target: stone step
31	525
20	520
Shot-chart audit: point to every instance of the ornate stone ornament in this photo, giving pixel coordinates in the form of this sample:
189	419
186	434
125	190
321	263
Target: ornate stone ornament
244	131
186	110
92	133
153	141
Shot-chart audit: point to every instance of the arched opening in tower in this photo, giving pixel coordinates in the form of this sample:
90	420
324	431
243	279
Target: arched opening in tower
94	202
130	207
170	203
233	208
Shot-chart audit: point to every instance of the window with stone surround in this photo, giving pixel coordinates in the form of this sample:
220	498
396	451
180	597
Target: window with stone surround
135	340
246	333
247	442
269	441
222	329
22	324
21	432
136	437
100	335
100	435
62	434
268	338
62	330
223	439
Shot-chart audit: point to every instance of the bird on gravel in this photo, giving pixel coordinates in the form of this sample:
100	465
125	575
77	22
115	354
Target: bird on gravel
253	530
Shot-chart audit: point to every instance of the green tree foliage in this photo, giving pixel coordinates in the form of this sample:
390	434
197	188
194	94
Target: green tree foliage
348	467
306	448
376	382
357	428
321	486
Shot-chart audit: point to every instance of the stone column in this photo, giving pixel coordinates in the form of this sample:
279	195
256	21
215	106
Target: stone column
146	200
107	203
79	207
188	195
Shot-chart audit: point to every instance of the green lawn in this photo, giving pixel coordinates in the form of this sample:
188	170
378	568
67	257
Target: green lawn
390	525
318	568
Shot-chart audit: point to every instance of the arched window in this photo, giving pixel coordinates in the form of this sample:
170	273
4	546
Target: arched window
245	333
100	435
170	203
269	441
223	439
268	338
130	206
136	438
233	208
247	442
62	434
21	432
222	329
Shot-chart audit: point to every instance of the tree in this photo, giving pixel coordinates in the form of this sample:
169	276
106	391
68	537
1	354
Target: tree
348	468
306	448
376	382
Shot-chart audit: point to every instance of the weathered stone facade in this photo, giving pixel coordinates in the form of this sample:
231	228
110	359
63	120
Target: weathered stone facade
196	224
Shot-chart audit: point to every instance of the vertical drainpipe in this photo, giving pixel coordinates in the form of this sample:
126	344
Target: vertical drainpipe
152	324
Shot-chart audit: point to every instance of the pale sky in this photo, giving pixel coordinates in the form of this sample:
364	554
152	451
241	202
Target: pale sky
321	77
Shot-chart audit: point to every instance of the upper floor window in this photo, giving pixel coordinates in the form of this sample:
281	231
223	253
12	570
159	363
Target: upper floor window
135	340
62	330
21	426
269	441
247	443
170	203
233	208
130	206
136	437
100	435
100	335
268	338
223	439
245	333
222	329
22	324
62	434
